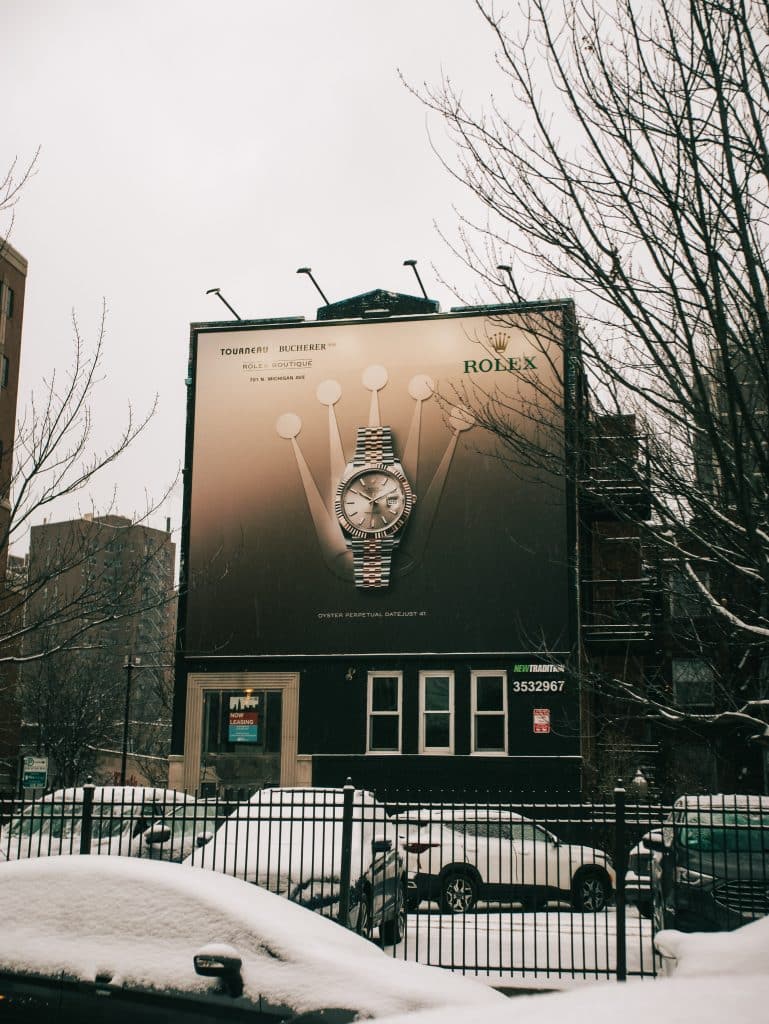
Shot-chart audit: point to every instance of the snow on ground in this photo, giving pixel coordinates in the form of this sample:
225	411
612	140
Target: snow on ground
547	946
664	1001
717	977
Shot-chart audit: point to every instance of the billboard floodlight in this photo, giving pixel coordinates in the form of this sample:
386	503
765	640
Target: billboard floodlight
413	265
508	270
218	294
308	272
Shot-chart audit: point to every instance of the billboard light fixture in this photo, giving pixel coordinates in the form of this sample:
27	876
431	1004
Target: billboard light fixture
509	271
308	272
218	294
413	265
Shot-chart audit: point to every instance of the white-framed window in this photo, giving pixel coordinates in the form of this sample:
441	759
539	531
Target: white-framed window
489	712
436	712
383	714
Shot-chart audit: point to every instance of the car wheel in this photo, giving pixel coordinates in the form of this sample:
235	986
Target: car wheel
359	916
458	893
392	931
591	892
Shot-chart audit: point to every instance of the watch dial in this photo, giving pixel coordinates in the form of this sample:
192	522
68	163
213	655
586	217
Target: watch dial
373	500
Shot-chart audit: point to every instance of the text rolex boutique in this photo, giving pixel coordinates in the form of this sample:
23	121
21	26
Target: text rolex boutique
367	589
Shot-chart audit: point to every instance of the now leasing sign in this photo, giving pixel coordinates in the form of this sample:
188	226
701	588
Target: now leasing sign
346	496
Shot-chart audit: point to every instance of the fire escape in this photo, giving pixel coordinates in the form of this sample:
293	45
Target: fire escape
616	590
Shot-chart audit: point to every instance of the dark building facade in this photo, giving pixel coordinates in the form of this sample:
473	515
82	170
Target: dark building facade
374	584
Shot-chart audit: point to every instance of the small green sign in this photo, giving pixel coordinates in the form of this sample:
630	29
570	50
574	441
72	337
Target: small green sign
34	773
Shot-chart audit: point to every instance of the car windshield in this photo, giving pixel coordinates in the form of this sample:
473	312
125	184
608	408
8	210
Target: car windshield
725	832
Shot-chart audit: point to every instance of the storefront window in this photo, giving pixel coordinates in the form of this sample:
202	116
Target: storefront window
241	739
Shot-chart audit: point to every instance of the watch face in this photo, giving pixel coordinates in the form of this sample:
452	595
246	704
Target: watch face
373	501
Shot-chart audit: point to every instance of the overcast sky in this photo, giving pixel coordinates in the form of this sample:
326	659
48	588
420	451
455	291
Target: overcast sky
187	145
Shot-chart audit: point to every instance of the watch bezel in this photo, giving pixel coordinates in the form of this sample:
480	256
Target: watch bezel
386	531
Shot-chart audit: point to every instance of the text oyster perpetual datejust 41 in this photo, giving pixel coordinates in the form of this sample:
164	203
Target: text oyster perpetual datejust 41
373	503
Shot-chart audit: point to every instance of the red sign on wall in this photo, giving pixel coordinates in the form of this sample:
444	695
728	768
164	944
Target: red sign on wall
541	719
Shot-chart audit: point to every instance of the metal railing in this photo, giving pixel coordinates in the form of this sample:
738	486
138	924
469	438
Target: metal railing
490	885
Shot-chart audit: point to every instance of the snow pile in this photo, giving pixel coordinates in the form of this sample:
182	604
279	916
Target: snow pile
666	1001
141	922
744	951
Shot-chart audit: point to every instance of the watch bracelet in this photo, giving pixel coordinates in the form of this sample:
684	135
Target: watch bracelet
372	559
374	445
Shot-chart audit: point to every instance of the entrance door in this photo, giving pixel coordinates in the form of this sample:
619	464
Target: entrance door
241	740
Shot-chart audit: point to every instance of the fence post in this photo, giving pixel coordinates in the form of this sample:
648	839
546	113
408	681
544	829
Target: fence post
344	874
86	827
620	861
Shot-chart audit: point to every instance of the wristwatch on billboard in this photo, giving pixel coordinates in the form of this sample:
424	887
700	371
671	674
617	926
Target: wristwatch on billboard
373	502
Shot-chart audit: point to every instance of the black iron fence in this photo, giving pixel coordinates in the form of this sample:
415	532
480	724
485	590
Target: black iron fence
503	888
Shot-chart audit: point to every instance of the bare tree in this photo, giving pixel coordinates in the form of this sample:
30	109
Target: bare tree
624	162
66	604
11	187
57	456
71	708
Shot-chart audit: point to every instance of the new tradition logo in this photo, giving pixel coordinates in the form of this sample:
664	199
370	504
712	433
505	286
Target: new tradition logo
321	502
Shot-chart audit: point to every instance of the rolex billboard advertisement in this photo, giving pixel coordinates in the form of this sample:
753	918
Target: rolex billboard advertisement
347	497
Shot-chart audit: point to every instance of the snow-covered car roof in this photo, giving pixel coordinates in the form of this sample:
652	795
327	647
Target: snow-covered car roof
450	813
141	922
120	795
305	795
317	803
723	801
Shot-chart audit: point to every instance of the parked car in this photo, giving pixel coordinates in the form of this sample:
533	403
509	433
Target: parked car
712	868
290	841
638	881
181	830
457	856
53	824
129	940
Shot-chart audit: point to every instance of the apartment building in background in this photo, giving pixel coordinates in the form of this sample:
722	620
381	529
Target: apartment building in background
101	607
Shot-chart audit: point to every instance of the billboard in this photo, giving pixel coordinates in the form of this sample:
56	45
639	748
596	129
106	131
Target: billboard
345	498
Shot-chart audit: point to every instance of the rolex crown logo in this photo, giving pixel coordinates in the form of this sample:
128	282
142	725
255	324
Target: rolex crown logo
499	341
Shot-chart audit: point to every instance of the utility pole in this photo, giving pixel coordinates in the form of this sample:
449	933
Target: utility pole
129	663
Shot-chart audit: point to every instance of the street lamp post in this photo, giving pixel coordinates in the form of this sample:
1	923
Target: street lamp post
130	662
